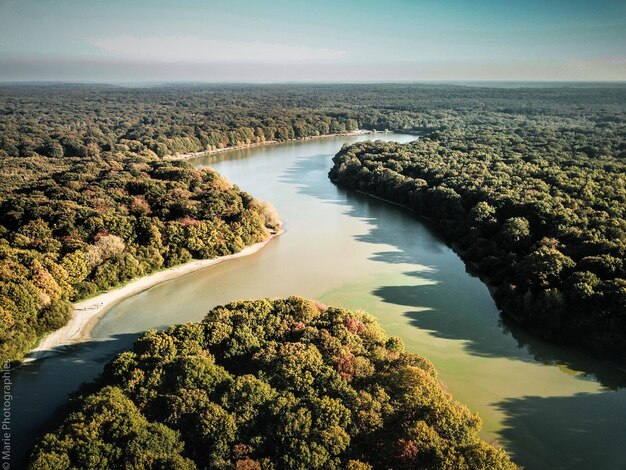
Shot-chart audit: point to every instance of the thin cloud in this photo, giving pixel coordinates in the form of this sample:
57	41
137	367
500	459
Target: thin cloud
198	50
17	68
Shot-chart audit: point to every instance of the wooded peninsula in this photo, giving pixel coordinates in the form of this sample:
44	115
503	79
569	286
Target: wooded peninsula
269	384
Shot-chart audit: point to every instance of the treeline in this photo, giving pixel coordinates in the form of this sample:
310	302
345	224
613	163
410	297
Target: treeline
269	384
77	121
85	121
538	207
96	222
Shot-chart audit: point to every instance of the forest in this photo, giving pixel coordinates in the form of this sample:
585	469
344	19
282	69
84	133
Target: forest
527	183
103	222
286	383
87	200
87	204
536	204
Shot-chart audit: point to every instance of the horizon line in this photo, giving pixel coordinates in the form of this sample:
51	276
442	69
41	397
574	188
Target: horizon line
300	82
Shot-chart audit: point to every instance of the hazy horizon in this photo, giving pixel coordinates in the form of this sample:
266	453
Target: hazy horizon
470	83
326	42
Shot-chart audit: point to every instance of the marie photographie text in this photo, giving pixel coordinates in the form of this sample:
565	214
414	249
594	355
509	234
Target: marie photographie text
6	416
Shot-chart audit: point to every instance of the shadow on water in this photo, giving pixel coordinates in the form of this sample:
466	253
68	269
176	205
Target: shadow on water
41	388
470	314
577	420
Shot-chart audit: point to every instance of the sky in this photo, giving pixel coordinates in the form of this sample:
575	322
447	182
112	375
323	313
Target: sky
314	40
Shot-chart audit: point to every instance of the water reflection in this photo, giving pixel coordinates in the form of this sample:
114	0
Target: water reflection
577	420
469	314
41	388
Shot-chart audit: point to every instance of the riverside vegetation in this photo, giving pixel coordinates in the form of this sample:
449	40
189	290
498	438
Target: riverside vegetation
269	384
538	207
105	221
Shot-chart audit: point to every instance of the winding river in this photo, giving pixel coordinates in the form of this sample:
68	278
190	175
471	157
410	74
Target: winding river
550	407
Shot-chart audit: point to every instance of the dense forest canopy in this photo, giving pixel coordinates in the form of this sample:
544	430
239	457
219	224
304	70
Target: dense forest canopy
87	202
537	204
104	221
80	120
269	384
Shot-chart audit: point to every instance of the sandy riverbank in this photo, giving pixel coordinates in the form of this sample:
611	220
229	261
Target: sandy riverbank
87	313
190	155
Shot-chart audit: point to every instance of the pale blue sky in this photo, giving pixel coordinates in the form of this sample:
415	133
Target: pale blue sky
337	40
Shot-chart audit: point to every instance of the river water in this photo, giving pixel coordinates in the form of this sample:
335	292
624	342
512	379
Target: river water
549	407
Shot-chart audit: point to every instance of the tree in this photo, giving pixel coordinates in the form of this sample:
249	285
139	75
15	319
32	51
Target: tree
516	231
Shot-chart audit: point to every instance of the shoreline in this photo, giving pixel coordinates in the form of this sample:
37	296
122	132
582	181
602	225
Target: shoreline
203	153
587	351
453	246
87	313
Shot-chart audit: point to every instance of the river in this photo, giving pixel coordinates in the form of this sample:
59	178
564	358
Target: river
549	407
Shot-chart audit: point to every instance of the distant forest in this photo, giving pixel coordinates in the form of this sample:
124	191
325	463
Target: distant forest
87	202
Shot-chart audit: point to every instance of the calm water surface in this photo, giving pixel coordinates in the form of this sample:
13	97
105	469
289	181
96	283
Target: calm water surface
551	408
